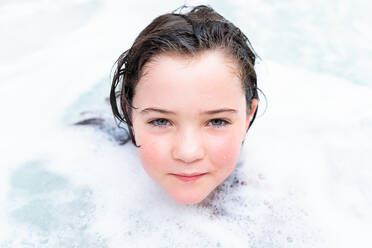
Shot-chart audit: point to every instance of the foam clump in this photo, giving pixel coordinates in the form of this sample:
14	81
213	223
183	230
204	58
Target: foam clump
66	180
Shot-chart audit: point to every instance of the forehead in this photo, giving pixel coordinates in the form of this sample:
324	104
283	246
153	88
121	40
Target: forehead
205	80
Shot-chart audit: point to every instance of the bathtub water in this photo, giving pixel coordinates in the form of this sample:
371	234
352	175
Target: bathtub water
303	179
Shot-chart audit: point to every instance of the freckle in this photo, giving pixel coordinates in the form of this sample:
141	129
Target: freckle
243	183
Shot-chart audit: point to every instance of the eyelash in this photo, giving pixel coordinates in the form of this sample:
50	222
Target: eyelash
225	122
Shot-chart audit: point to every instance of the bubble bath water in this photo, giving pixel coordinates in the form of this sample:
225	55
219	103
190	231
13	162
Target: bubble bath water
302	179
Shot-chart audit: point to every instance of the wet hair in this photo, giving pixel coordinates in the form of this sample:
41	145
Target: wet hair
186	34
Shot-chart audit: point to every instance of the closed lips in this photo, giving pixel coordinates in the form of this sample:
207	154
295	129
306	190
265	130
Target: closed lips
189	175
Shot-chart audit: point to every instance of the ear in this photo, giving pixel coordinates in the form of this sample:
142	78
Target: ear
252	110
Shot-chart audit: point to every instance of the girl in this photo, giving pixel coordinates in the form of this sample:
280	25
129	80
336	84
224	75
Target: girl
187	91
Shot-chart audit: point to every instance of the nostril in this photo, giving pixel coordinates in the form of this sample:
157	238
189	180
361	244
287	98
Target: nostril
188	155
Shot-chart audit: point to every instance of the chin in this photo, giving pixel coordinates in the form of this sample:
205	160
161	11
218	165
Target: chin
187	197
188	201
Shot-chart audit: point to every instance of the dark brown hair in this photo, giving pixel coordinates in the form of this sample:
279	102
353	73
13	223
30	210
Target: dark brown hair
185	34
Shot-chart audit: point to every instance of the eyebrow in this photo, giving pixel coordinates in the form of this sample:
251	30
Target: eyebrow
209	112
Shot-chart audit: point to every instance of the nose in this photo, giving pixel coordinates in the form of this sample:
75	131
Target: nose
188	146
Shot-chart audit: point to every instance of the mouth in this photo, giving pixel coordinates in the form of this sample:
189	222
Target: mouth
188	177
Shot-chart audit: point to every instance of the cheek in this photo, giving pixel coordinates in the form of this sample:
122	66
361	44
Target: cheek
224	152
152	153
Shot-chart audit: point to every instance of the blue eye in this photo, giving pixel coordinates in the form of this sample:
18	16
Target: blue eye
218	122
159	122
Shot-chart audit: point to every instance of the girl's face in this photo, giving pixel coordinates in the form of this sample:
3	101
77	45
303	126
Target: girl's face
190	122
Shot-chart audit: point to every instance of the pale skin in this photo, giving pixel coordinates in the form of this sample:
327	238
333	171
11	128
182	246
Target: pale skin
191	118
